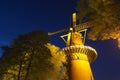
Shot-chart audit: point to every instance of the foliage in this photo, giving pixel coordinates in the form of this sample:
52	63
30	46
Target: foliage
31	57
58	59
103	16
19	57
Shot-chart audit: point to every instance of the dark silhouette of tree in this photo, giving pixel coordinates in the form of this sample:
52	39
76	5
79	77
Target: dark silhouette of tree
19	57
32	57
103	16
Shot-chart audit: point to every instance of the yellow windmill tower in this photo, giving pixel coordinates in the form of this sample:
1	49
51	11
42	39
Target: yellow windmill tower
78	55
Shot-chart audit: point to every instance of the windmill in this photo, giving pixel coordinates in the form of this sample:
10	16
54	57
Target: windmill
78	55
81	28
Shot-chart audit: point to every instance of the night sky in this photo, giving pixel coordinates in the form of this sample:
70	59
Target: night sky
23	16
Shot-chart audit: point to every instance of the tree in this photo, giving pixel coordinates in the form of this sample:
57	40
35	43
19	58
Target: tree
58	59
103	16
31	57
19	56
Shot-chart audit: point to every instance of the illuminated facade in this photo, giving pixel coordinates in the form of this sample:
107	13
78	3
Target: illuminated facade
79	58
78	55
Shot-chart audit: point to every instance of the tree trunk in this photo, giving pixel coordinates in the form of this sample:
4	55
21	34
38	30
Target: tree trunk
20	67
29	65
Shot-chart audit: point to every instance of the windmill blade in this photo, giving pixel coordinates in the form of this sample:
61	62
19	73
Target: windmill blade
59	31
82	26
77	28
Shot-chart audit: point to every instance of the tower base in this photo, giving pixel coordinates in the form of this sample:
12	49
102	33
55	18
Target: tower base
79	58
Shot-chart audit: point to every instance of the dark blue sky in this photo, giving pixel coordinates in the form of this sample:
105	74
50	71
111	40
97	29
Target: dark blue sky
23	16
